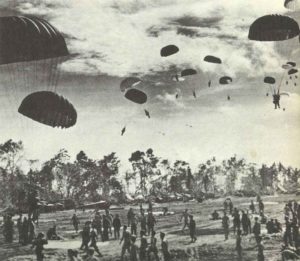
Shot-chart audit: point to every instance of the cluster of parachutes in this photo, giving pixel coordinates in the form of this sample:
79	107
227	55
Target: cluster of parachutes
279	29
131	93
130	85
30	52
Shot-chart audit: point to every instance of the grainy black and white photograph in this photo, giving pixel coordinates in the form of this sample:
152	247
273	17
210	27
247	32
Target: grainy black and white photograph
149	130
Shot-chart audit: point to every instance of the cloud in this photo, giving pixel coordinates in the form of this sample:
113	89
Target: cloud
170	99
124	37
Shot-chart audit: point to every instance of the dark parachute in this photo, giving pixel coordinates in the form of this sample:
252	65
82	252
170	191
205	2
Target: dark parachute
29	39
269	80
292	4
292	71
188	72
30	51
212	59
136	96
169	50
225	80
292	64
273	28
129	83
49	108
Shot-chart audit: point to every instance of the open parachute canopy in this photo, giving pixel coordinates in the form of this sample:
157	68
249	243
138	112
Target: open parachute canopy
269	80
169	50
225	80
188	72
28	39
292	4
288	65
212	59
129	83
284	94
31	50
292	64
136	96
292	71
49	108
273	28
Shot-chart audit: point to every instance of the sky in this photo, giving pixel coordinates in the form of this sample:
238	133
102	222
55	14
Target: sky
111	40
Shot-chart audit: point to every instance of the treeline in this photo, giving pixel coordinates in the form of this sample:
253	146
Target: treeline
89	180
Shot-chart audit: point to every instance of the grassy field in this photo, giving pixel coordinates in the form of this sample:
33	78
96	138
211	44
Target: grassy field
209	246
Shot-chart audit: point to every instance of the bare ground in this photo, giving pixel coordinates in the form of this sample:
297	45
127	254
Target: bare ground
209	246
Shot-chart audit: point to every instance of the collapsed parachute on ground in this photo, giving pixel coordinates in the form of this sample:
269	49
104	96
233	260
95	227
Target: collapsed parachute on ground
136	96
49	108
273	28
212	59
225	80
292	71
292	4
129	83
269	80
169	50
188	72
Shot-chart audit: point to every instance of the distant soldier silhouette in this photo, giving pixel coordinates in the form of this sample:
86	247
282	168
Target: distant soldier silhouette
252	207
245	223
236	220
94	236
143	222
19	226
25	230
185	217
39	243
260	249
143	246
8	229
239	244
225	224
165	247
133	225
85	236
153	248
133	249
215	215
130	215
151	221
287	237
126	242
31	234
117	226
261	207
75	221
256	229
192	227
106	228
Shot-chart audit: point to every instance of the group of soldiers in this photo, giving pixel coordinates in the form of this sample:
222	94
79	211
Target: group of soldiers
25	226
103	225
188	221
242	225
